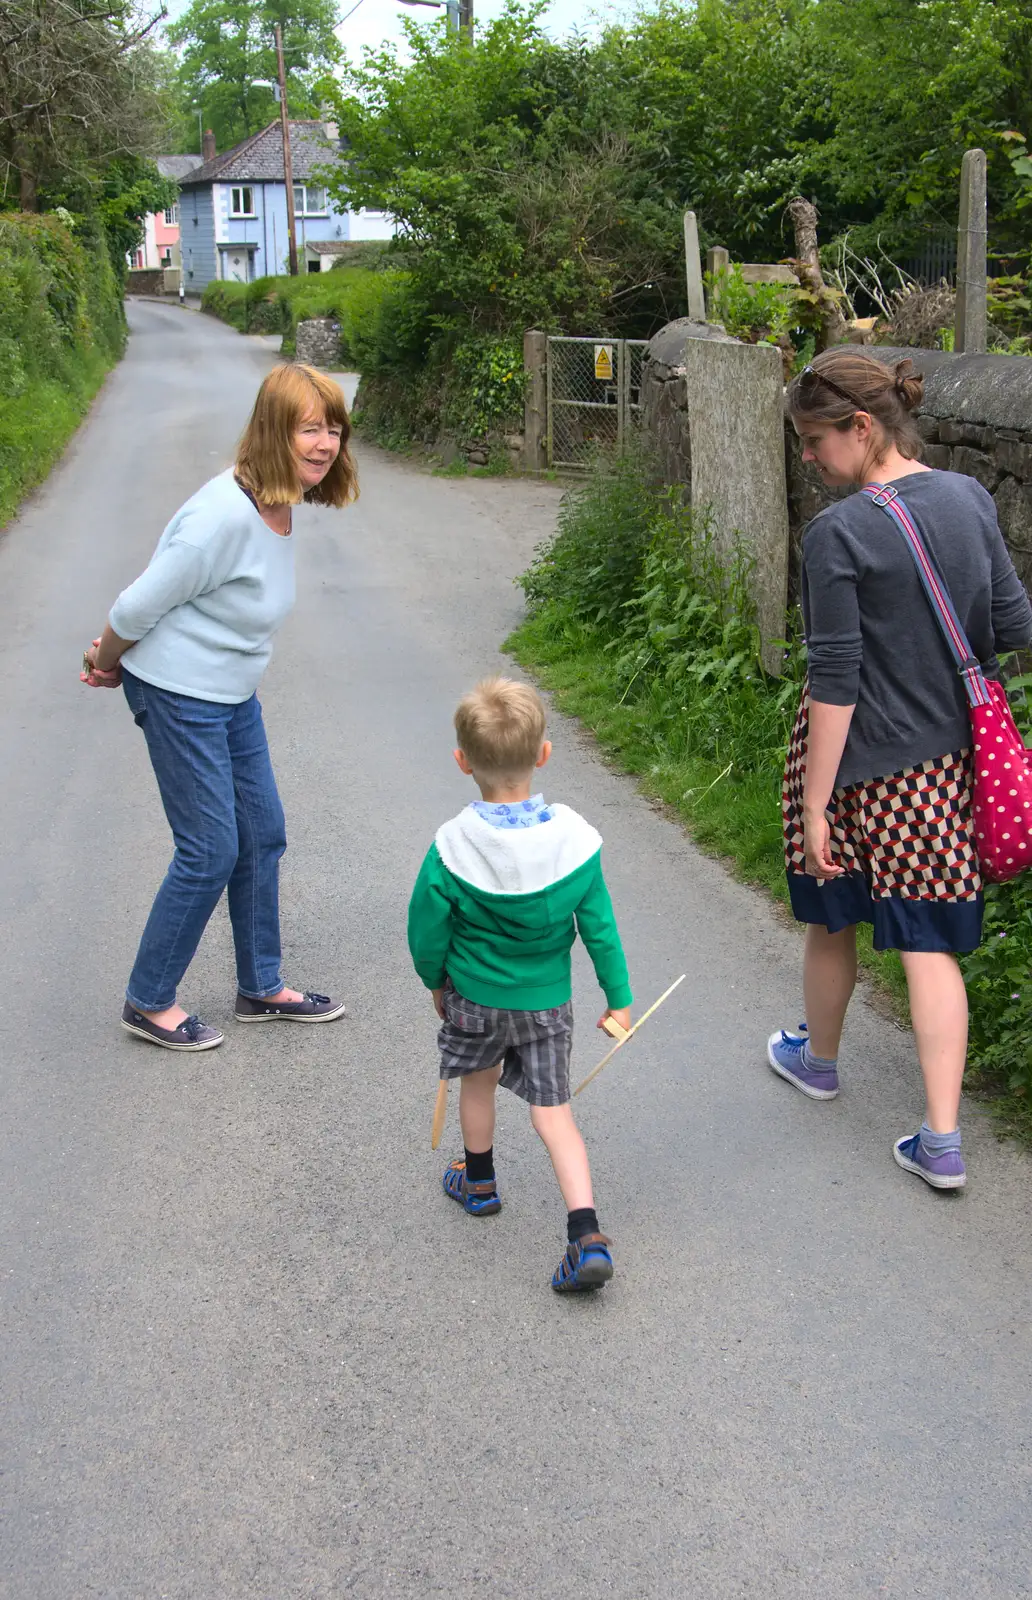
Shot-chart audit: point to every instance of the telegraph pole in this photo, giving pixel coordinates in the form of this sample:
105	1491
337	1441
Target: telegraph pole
288	165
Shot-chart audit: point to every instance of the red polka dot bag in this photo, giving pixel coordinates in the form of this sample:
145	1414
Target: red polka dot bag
1003	766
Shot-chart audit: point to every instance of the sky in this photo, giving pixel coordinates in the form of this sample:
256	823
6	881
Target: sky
373	21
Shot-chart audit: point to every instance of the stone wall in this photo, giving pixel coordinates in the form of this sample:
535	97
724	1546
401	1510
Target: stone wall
664	396
714	416
976	418
318	343
145	280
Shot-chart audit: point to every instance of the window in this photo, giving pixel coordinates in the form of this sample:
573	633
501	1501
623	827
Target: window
171	215
241	202
309	199
166	256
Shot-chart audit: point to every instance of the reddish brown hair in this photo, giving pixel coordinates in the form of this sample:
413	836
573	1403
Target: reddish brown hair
266	462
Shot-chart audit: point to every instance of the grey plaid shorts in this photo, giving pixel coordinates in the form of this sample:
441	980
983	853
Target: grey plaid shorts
533	1047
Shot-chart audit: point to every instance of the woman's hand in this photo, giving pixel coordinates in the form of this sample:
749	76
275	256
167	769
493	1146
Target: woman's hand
817	845
621	1016
99	677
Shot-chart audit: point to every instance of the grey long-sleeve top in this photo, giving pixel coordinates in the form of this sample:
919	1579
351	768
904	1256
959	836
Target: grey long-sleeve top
872	638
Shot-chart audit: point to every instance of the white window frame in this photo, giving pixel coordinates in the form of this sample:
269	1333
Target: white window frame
171	216
304	209
241	189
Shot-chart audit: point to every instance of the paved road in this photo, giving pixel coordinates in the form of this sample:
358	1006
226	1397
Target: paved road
248	1348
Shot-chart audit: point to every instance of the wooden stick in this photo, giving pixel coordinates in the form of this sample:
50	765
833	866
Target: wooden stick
621	1042
440	1113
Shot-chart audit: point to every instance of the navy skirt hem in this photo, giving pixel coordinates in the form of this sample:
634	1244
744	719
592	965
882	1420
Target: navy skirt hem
953	927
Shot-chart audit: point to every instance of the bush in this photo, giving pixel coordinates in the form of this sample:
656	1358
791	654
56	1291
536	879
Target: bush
641	569
61	328
642	630
277	305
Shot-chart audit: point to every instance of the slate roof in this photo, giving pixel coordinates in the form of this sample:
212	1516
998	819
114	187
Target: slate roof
332	247
261	157
177	166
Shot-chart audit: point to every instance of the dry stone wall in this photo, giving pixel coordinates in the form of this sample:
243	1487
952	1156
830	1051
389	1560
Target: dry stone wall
318	343
976	418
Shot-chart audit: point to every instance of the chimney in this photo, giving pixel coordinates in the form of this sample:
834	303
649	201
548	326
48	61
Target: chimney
208	150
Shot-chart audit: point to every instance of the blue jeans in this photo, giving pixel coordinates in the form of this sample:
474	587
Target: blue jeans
217	786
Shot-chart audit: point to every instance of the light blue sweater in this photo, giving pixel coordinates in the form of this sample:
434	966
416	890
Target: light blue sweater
204	611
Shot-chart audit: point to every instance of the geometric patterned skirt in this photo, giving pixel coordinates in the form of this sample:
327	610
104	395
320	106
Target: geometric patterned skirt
906	844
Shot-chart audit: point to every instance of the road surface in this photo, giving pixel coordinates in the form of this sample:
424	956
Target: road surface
249	1349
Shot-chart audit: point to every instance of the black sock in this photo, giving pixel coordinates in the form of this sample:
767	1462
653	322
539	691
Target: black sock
480	1165
578	1223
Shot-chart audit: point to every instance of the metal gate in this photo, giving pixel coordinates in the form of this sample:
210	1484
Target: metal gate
593	397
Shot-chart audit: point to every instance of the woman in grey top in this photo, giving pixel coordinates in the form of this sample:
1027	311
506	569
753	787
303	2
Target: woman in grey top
877	795
189	642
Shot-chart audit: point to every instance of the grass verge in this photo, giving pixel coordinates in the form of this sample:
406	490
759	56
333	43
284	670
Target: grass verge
36	427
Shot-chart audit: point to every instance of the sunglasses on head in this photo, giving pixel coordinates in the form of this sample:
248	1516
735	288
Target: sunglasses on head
811	377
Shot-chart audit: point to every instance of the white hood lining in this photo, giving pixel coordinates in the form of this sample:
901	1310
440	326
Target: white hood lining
516	860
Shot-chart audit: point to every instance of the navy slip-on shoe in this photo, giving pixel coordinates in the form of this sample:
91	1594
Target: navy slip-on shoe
313	1008
193	1034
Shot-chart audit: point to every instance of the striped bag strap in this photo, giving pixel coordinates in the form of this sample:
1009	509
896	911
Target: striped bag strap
934	586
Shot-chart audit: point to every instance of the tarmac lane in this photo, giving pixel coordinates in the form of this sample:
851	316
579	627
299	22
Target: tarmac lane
249	1349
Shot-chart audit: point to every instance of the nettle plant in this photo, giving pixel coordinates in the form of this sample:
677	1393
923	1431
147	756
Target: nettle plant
766	313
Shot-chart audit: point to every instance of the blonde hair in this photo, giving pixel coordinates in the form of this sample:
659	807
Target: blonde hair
501	727
266	462
840	382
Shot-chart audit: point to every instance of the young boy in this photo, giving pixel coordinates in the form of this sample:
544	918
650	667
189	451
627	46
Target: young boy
503	892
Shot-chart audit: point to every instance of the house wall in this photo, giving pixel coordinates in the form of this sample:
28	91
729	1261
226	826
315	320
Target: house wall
371	225
197	238
205	224
166	237
267	229
158	235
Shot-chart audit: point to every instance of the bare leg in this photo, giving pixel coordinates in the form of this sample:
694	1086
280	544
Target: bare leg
939	1013
477	1108
561	1138
829	978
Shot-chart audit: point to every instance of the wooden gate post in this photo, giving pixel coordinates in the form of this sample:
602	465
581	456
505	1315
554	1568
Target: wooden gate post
718	260
535	357
969	334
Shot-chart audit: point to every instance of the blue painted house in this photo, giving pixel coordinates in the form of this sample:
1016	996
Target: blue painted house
233	208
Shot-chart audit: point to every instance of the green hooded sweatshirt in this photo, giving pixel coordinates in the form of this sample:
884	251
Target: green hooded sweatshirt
496	911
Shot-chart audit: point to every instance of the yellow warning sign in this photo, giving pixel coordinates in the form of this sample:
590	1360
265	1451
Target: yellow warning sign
604	362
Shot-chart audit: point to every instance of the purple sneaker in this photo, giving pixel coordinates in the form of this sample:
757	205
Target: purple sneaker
944	1171
785	1055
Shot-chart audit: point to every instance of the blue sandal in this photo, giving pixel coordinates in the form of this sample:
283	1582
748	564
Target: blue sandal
587	1264
479	1199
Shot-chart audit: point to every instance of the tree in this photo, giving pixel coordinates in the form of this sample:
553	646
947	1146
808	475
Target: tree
79	88
525	194
227	54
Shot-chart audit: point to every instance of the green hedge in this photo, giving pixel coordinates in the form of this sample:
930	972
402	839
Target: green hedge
62	328
472	389
277	305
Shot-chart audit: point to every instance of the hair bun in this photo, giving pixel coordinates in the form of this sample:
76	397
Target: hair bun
909	385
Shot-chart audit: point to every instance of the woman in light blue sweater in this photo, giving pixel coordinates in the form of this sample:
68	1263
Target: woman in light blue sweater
189	642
